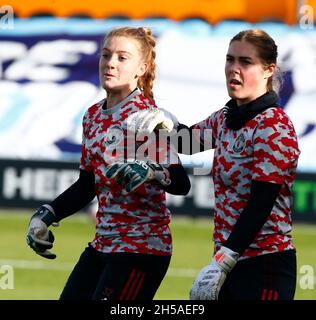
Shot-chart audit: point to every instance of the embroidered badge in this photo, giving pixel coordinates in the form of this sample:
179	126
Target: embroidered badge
239	144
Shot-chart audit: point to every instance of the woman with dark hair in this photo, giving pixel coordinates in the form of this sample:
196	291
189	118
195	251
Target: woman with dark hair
255	160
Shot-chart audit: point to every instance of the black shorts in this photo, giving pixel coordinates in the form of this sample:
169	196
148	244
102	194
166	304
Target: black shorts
115	276
266	277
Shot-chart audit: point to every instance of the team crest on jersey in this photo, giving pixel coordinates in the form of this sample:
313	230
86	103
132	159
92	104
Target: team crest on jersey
239	144
113	136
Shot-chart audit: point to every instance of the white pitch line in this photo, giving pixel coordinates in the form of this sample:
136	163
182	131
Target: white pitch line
67	266
182	273
33	264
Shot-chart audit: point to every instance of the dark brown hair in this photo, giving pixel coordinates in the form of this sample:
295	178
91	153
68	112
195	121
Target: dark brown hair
267	51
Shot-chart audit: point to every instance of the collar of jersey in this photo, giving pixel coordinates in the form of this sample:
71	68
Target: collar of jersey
115	108
237	116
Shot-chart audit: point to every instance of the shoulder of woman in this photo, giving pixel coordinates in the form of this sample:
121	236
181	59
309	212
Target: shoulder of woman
276	115
92	110
141	102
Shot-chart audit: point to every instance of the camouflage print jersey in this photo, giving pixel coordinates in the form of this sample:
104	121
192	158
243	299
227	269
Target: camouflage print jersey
135	222
264	149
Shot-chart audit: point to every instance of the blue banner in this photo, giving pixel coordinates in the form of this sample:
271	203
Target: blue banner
49	77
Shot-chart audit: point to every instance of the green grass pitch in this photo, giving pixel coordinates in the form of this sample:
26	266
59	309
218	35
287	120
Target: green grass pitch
38	278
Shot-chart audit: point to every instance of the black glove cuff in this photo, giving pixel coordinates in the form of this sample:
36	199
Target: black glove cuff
159	173
47	216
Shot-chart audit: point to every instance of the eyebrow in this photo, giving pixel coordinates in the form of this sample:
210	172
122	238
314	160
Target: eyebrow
241	57
121	51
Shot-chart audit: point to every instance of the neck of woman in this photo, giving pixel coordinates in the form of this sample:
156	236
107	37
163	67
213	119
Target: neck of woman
115	97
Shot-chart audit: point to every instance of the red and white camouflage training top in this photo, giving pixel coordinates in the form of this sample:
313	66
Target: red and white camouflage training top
135	222
264	149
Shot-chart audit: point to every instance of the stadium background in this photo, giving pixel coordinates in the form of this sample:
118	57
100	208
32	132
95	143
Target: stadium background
48	67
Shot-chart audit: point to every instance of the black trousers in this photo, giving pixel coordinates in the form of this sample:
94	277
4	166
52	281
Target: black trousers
115	276
266	277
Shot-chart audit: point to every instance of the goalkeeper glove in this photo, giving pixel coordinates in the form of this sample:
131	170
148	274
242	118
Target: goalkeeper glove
144	122
209	281
134	173
38	237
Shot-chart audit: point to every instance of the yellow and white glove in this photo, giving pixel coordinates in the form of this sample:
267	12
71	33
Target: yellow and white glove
211	278
144	122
